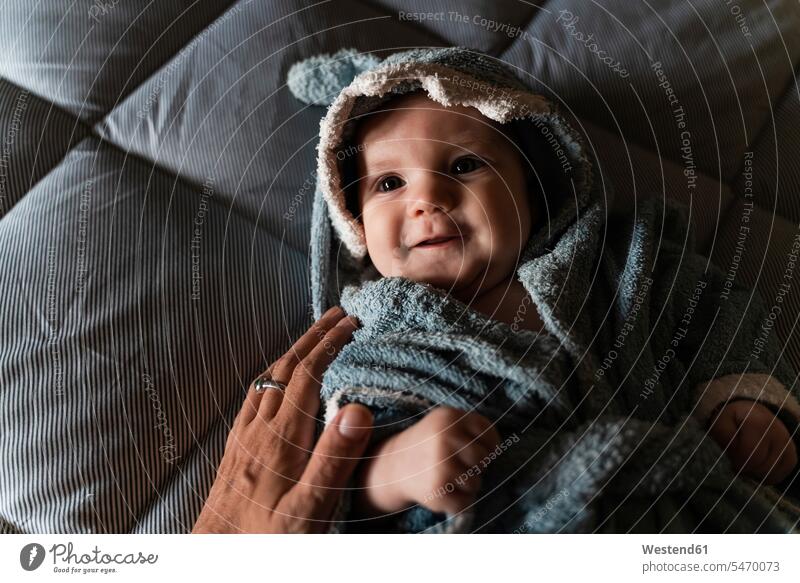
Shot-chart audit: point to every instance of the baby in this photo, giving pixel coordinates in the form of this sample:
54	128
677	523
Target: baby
446	199
458	216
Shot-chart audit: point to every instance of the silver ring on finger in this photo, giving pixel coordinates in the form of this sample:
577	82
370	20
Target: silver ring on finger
265	382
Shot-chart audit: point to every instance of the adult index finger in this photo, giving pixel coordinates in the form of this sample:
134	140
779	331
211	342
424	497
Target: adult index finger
301	401
281	370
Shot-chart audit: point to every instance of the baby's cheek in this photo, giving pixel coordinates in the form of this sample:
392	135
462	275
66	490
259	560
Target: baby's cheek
499	255
388	258
399	261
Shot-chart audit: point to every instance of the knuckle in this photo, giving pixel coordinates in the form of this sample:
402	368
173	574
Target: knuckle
480	425
476	420
328	472
336	331
444	450
272	434
317	498
457	438
304	372
443	417
243	473
319	329
309	363
341	329
296	508
287	361
335	338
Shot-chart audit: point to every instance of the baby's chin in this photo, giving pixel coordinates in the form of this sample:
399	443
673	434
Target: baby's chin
444	279
443	283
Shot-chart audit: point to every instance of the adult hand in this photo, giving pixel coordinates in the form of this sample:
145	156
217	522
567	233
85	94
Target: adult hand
268	480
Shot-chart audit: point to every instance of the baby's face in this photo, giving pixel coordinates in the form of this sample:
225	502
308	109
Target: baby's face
443	196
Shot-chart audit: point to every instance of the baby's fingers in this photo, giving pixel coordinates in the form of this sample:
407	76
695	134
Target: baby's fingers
456	493
452	501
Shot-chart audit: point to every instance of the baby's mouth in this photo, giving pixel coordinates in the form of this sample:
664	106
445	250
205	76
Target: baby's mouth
437	242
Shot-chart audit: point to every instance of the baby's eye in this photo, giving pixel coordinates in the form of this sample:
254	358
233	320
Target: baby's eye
389	183
466	164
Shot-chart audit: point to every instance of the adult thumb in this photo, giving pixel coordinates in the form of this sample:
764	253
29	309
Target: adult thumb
333	460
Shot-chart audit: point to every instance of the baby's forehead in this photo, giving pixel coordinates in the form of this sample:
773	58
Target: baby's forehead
399	116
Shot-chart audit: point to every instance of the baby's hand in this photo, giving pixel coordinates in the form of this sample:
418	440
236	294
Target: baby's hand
427	464
762	448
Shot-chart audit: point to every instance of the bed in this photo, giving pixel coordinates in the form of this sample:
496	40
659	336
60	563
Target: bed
156	182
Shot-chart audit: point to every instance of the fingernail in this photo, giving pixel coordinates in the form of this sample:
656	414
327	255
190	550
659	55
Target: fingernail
354	422
350	321
335	310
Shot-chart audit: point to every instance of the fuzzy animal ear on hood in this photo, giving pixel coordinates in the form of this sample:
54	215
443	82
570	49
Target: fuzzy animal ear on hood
319	79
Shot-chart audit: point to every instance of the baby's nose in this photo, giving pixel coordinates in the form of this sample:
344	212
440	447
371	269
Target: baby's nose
434	194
